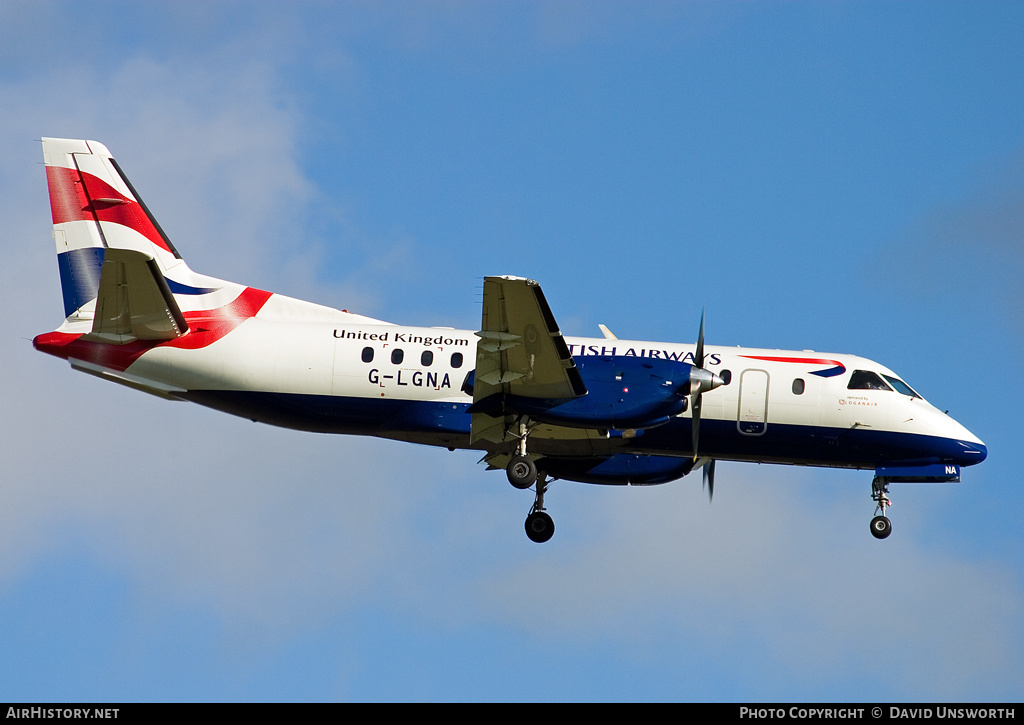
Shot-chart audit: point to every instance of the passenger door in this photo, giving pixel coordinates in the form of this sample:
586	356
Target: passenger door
752	414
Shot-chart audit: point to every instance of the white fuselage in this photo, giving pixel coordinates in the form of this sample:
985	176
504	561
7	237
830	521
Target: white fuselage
336	372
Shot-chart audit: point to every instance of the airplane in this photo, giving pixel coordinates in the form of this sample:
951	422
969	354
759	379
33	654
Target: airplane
540	405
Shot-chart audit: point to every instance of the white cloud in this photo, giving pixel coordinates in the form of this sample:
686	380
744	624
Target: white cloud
210	142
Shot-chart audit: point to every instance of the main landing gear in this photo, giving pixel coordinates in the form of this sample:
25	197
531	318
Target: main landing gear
881	527
522	473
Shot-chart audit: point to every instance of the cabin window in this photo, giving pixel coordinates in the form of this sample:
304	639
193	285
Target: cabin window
798	386
726	376
367	354
456	359
427	358
866	380
397	356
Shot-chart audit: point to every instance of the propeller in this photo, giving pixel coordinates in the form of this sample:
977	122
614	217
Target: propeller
701	381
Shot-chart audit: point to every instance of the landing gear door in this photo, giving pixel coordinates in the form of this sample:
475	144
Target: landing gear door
752	415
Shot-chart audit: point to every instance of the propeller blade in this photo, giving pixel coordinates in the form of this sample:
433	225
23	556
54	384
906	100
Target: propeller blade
709	479
701	381
695	387
698	358
695	422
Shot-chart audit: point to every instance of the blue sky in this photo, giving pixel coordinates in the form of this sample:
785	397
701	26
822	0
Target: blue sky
847	177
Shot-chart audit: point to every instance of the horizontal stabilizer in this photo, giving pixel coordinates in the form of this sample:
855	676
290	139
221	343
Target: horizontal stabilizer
153	387
134	301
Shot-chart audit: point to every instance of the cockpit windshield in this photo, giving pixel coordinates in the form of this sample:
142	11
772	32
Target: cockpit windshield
901	387
867	380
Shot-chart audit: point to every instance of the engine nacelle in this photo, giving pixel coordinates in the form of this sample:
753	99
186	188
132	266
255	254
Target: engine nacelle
622	392
620	469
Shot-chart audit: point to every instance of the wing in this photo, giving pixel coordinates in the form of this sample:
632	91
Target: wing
521	354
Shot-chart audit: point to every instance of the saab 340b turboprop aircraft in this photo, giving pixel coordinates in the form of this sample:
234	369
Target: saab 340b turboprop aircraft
537	404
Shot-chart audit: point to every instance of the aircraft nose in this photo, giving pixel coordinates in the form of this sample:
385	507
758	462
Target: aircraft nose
970	448
973	452
962	446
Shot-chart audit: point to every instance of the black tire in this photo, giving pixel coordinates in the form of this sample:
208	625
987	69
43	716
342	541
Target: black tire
521	472
881	527
539	527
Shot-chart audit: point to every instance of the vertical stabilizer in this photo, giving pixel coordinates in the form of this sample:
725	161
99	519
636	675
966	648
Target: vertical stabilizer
94	208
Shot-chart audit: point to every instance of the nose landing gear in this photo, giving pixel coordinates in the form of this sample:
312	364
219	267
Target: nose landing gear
881	527
539	526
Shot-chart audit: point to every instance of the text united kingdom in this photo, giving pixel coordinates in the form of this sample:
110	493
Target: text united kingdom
402	337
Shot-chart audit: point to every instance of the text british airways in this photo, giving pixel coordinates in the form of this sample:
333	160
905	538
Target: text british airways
712	359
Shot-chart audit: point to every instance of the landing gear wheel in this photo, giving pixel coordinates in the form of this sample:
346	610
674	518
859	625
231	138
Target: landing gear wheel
881	527
521	471
539	527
